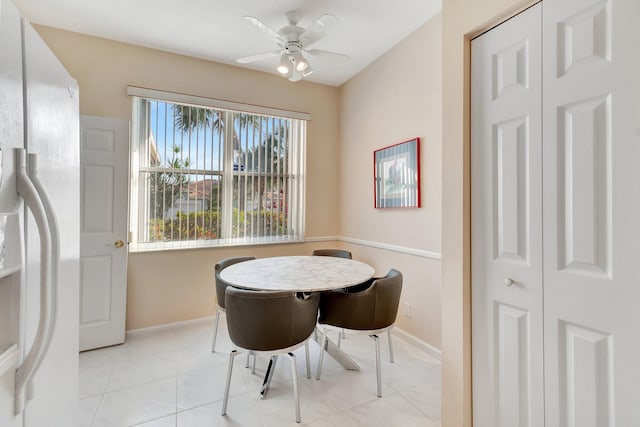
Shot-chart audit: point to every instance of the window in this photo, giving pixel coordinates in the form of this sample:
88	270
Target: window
206	176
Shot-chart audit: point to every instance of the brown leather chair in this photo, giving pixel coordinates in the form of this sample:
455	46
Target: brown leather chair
221	286
371	311
339	253
270	323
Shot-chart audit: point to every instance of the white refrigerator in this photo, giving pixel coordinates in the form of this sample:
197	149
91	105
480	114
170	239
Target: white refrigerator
39	230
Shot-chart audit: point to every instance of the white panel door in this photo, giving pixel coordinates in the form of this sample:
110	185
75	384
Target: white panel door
103	248
592	212
506	153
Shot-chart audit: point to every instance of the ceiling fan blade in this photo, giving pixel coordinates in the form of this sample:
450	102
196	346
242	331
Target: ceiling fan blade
317	29
257	57
307	71
336	58
273	34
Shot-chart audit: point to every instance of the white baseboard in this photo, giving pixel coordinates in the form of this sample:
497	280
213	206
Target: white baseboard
169	326
428	348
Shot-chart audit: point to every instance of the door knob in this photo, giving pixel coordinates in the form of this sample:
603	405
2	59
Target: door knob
509	282
118	244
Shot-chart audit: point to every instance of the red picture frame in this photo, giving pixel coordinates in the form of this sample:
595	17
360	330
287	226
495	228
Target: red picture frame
396	171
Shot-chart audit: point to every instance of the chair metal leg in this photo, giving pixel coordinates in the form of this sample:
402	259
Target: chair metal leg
306	353
390	346
323	345
378	374
253	364
294	376
215	331
339	339
268	376
232	356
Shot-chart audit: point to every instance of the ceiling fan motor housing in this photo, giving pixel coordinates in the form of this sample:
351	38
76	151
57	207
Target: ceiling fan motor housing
292	47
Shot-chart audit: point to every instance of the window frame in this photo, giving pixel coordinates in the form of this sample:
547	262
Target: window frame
139	199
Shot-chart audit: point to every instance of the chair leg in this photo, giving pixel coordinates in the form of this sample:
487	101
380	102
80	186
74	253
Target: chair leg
390	346
378	374
232	356
271	367
306	353
294	376
215	331
253	364
339	339
323	345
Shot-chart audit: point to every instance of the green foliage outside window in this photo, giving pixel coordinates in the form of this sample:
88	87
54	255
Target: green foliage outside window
204	225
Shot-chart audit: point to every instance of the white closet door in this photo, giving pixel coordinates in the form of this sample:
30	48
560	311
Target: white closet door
592	212
506	152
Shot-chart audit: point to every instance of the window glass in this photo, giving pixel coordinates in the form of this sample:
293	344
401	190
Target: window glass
204	176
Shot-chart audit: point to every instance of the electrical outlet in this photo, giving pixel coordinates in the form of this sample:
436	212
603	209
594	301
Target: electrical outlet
407	309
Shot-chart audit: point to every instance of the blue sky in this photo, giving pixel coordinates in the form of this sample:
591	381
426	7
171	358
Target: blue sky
193	147
202	146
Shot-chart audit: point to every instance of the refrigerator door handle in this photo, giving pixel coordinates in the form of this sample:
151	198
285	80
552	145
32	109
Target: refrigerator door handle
30	188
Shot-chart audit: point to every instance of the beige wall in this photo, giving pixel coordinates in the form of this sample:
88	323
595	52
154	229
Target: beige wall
461	19
396	98
407	78
105	68
158	292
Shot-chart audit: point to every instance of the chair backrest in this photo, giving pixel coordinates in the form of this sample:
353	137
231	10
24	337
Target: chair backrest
339	253
267	321
388	290
221	284
374	308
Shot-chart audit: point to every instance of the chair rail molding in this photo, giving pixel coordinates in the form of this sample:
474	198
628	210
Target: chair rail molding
395	248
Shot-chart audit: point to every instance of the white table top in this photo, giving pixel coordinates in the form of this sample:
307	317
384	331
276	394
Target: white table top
297	273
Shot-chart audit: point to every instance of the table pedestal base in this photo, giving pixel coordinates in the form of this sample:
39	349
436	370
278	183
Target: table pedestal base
340	356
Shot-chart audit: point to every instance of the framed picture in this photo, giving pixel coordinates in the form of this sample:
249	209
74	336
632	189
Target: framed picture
397	175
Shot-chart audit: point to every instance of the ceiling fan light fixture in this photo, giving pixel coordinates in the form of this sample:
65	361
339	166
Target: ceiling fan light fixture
299	61
283	67
295	75
292	41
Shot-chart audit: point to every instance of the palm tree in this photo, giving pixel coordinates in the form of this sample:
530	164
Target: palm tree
165	186
188	119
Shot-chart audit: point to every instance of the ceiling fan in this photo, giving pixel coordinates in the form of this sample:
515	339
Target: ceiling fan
293	42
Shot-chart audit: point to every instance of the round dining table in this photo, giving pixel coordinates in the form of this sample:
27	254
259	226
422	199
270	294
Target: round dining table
297	273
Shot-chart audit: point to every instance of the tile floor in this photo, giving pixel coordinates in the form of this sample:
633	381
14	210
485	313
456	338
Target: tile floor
170	378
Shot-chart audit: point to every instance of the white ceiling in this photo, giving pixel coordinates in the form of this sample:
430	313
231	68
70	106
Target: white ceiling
215	29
